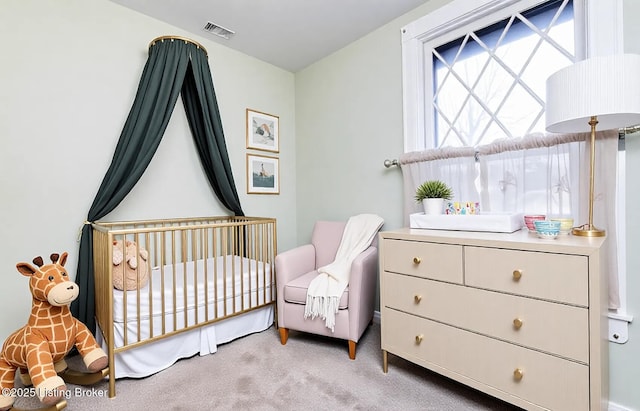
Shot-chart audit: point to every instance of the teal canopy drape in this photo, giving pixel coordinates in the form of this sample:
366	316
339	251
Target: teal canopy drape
176	66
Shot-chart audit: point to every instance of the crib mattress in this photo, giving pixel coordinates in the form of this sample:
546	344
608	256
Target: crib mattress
185	286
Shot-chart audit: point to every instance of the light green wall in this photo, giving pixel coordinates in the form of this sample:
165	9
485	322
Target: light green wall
69	73
349	119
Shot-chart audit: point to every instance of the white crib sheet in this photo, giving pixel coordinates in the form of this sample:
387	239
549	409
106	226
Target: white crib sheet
220	291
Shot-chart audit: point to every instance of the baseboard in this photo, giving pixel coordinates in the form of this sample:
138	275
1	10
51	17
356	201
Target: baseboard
616	407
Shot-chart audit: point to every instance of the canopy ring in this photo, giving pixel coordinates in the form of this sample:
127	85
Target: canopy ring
185	39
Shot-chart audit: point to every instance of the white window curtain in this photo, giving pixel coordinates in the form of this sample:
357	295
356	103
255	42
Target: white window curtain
531	175
547	174
455	166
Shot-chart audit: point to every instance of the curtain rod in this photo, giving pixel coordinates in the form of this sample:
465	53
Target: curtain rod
185	39
629	130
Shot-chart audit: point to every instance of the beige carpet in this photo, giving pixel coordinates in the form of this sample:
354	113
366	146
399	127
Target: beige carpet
256	372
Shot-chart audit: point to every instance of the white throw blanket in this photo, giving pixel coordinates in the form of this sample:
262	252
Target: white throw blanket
323	294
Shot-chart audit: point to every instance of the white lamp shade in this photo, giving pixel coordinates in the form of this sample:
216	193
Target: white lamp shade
607	87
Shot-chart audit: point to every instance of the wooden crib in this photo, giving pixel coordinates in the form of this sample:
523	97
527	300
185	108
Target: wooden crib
209	280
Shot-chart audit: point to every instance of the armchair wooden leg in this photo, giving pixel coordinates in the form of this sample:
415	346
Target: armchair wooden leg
284	335
352	350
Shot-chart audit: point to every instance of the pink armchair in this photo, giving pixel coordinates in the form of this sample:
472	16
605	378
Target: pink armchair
296	268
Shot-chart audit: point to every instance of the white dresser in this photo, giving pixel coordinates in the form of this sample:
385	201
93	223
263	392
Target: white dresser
512	315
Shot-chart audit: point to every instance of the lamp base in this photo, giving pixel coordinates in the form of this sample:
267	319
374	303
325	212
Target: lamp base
587	230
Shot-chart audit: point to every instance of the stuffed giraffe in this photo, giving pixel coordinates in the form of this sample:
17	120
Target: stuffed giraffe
51	331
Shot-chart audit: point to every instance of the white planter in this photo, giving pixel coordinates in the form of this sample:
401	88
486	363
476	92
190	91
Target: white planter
433	206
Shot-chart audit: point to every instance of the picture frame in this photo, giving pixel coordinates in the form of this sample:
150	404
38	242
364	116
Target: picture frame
263	174
263	131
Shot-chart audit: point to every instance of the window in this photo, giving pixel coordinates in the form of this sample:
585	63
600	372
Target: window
490	83
474	71
515	27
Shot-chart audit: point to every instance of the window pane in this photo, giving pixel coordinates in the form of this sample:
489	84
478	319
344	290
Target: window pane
490	83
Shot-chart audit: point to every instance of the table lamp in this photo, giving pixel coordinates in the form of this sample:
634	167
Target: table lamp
602	91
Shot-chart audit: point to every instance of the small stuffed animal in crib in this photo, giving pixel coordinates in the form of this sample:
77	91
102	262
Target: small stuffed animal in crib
132	273
40	346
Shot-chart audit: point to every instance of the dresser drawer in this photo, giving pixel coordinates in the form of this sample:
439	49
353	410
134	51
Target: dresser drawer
422	259
555	277
551	327
547	381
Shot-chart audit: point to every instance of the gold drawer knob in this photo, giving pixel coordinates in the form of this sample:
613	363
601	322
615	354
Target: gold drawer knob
417	298
517	323
417	260
518	374
517	274
419	338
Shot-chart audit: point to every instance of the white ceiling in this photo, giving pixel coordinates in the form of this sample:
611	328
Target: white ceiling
290	34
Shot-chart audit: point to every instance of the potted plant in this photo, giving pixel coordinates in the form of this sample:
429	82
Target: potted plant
432	194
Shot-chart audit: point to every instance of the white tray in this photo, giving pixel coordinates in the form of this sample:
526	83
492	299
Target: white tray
491	222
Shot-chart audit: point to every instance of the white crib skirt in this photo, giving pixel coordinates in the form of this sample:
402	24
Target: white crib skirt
151	358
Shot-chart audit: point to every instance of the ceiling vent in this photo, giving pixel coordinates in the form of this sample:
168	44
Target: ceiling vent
218	30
